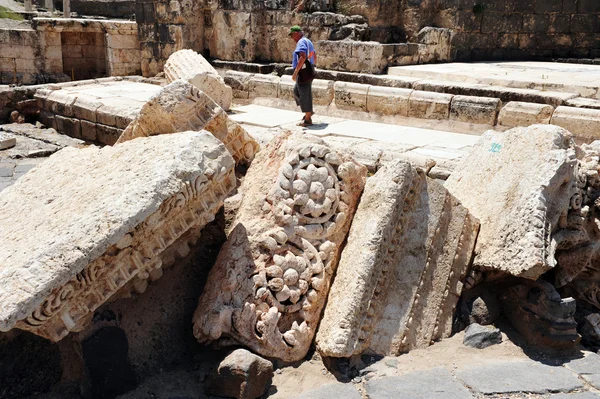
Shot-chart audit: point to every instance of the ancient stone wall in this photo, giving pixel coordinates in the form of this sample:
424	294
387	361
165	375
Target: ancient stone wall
521	29
57	49
491	29
29	57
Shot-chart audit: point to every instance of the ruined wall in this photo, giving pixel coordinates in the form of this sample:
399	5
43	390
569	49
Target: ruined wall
521	29
84	54
491	29
56	49
29	57
227	30
93	48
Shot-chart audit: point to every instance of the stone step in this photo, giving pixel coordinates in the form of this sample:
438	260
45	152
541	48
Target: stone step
583	80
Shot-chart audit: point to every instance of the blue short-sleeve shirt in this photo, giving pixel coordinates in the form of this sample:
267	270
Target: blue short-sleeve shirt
303	46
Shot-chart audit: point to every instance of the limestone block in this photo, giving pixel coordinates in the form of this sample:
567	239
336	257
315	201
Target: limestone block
513	183
582	122
322	90
263	86
89	130
7	141
85	108
388	100
193	68
107	134
470	109
399	276
517	113
429	105
180	106
271	279
351	96
71	240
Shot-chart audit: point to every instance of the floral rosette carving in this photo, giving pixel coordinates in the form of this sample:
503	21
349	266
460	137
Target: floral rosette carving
308	207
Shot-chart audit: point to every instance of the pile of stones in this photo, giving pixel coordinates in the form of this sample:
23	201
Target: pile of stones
318	254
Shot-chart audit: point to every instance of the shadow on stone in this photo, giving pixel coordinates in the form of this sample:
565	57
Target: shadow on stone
105	355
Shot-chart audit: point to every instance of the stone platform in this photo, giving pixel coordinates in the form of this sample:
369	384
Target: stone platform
549	76
95	110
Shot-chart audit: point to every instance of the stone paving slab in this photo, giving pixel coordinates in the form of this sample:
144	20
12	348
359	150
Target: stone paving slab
396	134
332	391
266	117
578	395
436	383
510	377
588	364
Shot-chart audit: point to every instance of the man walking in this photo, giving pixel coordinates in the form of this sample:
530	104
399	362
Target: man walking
304	52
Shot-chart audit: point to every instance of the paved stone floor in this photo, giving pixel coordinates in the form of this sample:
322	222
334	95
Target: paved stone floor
33	146
574	78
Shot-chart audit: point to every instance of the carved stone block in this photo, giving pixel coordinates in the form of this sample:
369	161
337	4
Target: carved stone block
519	185
90	224
271	279
180	106
193	68
400	273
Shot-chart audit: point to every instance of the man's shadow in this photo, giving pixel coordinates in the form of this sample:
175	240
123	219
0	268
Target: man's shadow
317	126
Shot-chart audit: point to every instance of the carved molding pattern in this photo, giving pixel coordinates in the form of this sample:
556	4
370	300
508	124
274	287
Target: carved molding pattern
136	256
275	308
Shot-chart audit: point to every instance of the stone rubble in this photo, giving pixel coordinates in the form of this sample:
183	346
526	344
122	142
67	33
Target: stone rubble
480	337
241	375
180	106
72	240
400	274
7	141
269	285
194	69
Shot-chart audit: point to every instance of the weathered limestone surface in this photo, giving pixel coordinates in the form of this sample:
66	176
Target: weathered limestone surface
193	68
241	375
584	123
180	106
388	100
400	274
519	185
263	86
351	96
429	105
271	279
71	240
7	141
517	113
470	109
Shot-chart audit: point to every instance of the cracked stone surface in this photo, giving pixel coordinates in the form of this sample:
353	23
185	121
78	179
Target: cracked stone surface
510	377
331	391
436	383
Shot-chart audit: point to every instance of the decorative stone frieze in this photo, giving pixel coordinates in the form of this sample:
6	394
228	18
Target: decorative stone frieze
180	106
400	273
72	241
193	68
271	279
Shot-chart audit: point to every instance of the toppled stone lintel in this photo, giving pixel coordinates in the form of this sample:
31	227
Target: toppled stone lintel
271	279
180	106
400	274
72	240
519	184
